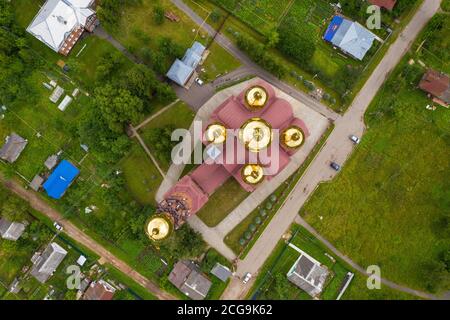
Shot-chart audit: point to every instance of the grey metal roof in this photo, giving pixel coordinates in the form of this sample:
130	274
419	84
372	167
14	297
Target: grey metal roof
354	39
13	147
47	262
189	279
308	275
36	183
51	162
11	230
221	272
198	48
180	72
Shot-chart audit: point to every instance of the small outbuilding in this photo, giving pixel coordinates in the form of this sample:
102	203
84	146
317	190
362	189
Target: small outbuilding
221	272
385	4
51	161
36	183
11	230
437	85
13	147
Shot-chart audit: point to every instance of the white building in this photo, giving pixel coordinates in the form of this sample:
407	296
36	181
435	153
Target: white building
60	23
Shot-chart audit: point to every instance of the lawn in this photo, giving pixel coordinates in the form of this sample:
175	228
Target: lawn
222	202
219	63
144	184
179	116
386	206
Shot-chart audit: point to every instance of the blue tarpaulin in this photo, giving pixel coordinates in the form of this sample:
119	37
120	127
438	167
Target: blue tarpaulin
60	180
333	28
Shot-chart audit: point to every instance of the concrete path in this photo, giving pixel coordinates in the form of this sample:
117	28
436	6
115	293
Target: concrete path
141	141
337	148
78	235
155	115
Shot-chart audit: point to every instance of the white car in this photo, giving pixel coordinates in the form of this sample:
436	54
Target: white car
58	226
247	277
355	139
199	81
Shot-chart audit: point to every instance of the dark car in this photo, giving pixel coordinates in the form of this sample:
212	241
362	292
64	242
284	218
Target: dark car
335	166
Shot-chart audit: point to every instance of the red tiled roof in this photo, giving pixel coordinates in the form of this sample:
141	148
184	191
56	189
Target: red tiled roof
437	84
387	4
98	291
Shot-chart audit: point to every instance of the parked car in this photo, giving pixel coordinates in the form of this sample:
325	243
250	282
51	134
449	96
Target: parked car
355	139
247	277
58	226
199	81
335	166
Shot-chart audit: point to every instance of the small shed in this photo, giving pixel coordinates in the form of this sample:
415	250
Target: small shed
65	103
221	272
56	94
36	183
51	161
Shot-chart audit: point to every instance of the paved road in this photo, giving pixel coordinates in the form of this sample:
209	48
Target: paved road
77	234
338	148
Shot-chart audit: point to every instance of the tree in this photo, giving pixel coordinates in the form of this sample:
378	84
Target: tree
299	45
118	106
272	39
435	275
184	243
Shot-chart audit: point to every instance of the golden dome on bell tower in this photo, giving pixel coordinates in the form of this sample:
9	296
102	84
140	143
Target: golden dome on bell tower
159	227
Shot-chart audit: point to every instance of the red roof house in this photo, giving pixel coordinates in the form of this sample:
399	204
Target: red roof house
436	84
99	290
386	4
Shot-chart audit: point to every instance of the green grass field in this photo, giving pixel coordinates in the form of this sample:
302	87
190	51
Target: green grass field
385	206
222	202
142	186
179	116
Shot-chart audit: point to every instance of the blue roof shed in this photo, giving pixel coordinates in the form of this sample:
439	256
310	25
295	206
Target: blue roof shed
61	179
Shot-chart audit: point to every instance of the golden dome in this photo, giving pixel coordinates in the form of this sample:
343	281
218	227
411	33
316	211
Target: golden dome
252	174
158	227
256	98
256	134
216	133
292	137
